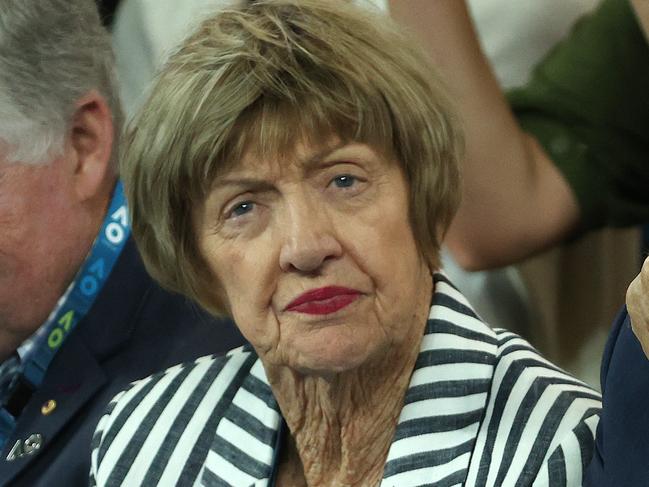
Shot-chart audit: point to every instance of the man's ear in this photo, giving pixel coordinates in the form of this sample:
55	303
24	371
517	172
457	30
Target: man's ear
91	140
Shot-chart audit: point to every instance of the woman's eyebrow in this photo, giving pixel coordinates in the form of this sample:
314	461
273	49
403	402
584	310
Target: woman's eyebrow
309	162
251	184
326	155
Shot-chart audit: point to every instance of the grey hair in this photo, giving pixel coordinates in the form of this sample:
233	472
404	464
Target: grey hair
52	52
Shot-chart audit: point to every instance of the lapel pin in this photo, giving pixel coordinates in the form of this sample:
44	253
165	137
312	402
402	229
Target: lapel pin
27	447
48	407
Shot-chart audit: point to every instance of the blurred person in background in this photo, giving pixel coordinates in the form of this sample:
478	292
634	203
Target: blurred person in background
622	436
79	316
573	156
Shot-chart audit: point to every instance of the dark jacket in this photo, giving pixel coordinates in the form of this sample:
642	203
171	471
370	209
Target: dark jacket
622	450
133	329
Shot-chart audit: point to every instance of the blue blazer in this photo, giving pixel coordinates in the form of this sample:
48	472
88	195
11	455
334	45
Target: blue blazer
134	329
622	450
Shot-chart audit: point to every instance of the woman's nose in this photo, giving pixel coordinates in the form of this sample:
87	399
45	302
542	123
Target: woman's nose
309	241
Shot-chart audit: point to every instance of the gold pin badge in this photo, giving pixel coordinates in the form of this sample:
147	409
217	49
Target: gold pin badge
48	407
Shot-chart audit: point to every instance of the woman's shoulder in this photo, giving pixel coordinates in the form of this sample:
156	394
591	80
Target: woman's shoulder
162	412
539	420
184	374
525	382
518	362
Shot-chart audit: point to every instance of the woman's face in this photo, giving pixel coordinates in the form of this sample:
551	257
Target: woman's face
316	257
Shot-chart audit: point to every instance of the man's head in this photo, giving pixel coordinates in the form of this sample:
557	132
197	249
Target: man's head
59	120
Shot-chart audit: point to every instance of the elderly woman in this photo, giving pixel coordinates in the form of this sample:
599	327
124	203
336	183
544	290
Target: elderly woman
295	168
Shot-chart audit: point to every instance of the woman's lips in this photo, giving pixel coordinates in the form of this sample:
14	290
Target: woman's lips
324	300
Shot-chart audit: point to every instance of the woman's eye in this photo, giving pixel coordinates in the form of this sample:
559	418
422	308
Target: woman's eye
241	209
344	181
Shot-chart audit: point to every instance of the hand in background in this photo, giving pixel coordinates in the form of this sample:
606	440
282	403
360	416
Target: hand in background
637	302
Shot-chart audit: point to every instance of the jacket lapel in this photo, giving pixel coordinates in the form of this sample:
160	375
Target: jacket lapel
68	387
76	374
243	450
447	396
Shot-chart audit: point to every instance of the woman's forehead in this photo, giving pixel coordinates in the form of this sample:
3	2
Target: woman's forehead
303	155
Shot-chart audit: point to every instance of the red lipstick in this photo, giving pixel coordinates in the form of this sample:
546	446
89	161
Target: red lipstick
324	300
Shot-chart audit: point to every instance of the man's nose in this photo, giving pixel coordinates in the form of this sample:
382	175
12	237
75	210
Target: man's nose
309	239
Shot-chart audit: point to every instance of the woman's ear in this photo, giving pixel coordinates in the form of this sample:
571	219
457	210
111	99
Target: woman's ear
91	142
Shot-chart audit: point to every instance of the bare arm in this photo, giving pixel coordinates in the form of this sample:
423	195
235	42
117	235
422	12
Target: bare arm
515	201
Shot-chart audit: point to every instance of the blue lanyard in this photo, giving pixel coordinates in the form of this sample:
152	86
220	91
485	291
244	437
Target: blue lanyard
77	300
89	281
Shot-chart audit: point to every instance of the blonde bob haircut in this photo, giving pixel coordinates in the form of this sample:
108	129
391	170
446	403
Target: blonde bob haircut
261	76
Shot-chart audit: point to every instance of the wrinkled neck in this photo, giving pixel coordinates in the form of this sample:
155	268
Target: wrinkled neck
341	426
